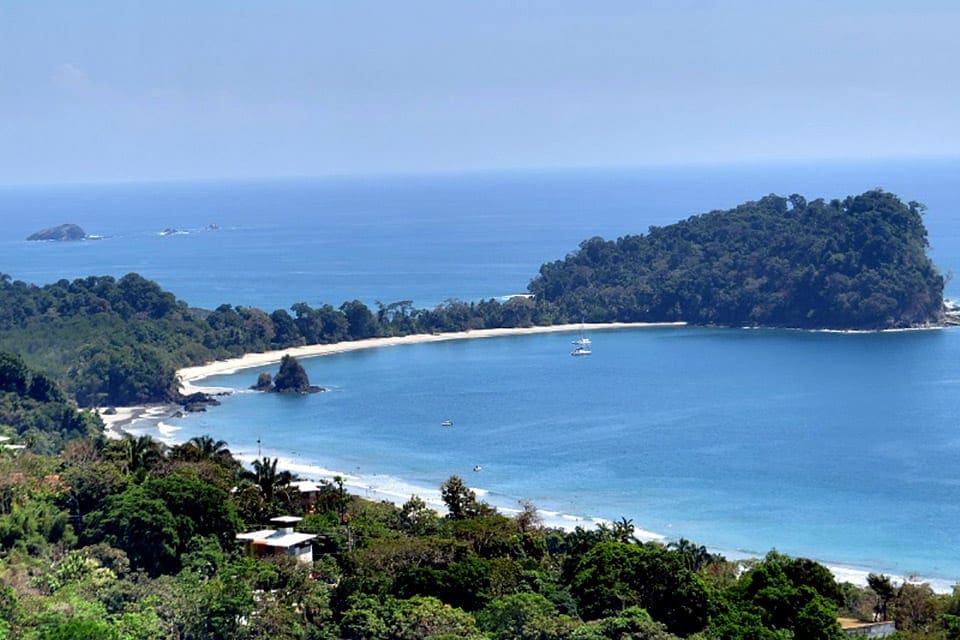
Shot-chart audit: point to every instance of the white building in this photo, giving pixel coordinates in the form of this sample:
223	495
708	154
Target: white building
280	541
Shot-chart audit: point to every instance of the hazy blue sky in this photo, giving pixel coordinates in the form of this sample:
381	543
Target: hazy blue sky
124	90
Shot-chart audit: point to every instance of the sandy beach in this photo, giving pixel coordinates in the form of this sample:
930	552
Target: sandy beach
189	376
114	423
384	488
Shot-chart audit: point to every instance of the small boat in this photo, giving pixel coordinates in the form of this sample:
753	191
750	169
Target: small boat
446	423
477	468
583	340
581	351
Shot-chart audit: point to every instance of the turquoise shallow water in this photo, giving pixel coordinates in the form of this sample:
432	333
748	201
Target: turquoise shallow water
841	447
836	446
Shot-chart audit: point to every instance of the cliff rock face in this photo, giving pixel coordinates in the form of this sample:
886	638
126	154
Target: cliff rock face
60	233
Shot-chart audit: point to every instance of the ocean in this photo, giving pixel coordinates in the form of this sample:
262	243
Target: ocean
838	447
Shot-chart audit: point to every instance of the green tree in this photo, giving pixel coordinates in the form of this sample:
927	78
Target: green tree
613	576
417	518
140	525
423	618
460	500
204	448
915	609
79	629
135	453
198	508
881	585
14	375
784	592
361	322
524	616
271	489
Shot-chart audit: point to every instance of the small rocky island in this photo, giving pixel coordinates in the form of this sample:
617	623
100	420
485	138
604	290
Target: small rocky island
292	378
60	233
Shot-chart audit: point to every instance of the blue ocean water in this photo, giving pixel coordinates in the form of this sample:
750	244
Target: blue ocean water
836	446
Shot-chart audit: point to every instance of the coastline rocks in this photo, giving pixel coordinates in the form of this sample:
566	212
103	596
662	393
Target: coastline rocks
60	233
264	382
197	402
290	379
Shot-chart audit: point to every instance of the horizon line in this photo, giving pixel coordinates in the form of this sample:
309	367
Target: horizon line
479	171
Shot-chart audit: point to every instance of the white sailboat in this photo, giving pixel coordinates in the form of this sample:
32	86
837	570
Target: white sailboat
581	344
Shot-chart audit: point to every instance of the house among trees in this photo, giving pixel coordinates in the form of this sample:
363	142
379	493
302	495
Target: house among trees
280	541
309	491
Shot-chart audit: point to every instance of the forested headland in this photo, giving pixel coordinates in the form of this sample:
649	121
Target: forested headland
859	263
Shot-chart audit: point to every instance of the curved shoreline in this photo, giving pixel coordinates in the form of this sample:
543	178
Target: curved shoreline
189	376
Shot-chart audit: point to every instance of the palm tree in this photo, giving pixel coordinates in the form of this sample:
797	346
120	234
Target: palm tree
266	477
135	454
201	448
694	557
624	531
209	448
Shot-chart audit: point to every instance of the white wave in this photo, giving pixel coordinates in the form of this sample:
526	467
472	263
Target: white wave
167	429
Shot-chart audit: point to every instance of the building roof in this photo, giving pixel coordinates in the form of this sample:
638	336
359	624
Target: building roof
288	520
286	540
284	536
256	535
306	486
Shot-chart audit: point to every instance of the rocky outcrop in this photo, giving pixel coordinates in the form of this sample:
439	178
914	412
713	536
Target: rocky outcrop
292	378
63	232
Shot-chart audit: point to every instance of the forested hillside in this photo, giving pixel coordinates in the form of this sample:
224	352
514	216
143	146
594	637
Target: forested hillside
34	411
859	263
120	342
130	540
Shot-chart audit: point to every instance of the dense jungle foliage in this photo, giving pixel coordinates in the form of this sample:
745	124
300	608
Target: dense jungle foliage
859	263
35	412
127	539
120	342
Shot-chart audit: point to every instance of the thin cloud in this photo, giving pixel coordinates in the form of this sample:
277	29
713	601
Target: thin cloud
70	75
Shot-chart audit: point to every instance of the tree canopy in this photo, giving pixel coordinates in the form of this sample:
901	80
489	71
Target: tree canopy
36	411
859	263
93	545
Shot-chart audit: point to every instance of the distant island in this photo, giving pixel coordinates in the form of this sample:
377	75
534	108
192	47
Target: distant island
59	233
858	263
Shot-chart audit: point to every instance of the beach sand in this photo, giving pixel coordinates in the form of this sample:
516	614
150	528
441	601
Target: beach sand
374	487
114	423
191	375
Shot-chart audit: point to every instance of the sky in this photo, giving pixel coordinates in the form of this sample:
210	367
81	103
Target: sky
105	91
